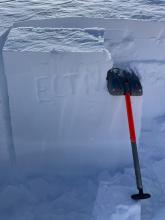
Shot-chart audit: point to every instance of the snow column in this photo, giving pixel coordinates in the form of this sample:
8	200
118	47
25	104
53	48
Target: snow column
62	115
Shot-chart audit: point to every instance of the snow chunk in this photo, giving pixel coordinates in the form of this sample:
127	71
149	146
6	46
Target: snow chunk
113	203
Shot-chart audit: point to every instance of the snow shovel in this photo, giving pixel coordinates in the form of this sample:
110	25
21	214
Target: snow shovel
121	82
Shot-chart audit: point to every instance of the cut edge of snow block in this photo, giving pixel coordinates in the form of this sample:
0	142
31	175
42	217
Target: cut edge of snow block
3	34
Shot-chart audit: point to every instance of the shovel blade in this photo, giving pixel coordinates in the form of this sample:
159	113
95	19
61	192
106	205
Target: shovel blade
120	82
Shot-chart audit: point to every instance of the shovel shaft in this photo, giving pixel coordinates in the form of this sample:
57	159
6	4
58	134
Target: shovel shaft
133	142
130	118
137	167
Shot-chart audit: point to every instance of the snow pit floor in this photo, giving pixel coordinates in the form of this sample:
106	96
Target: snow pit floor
47	197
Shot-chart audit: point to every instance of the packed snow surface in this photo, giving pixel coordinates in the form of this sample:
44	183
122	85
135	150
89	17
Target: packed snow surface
14	10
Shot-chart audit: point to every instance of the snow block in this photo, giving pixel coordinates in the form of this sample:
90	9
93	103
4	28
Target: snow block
62	114
114	203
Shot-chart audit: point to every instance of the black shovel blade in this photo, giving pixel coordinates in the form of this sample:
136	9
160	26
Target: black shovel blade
141	196
115	82
120	82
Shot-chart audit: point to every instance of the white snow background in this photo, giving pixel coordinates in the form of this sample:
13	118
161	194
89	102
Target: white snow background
48	196
14	10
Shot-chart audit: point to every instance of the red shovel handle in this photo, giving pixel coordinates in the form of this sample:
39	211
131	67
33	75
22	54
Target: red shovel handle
130	118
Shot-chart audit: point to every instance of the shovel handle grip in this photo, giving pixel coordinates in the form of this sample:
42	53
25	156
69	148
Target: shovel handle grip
130	118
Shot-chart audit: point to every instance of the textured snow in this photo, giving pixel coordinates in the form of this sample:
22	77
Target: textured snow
44	40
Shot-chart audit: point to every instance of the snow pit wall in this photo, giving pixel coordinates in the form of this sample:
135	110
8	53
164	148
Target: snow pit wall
62	115
142	46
